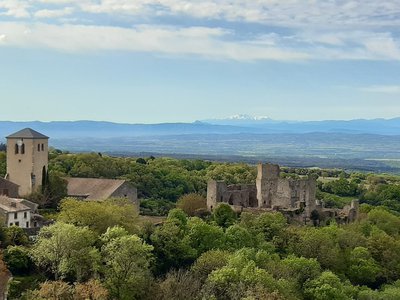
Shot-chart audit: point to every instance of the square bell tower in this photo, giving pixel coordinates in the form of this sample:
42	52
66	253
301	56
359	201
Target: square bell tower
27	159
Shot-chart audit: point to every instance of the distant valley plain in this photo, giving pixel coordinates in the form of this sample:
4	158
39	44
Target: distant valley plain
364	145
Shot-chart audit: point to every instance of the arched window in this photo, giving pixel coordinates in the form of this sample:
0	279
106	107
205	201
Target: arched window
42	147
38	147
16	149
23	149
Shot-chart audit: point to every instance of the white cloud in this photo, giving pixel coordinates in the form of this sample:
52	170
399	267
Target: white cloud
53	13
202	41
14	8
316	29
352	44
383	89
213	43
289	13
284	13
384	46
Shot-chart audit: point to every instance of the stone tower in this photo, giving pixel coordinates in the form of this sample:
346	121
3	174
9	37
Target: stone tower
215	191
267	184
27	159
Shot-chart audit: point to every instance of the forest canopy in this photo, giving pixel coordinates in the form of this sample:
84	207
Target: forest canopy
104	250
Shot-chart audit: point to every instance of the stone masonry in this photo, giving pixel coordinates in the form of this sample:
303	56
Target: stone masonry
296	198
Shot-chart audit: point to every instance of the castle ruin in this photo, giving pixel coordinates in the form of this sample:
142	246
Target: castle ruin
296	198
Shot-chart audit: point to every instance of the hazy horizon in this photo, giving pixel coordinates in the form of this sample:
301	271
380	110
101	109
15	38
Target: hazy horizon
228	118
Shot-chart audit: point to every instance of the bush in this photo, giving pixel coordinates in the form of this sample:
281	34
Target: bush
224	215
155	207
189	203
18	260
179	285
15	236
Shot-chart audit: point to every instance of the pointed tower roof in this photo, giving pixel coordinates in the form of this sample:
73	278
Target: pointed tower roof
27	133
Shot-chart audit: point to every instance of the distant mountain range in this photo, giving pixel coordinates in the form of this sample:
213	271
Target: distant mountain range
234	125
267	125
368	145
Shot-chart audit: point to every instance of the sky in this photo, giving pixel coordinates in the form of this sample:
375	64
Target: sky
152	61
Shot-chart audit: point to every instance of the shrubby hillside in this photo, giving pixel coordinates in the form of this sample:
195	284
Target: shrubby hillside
104	250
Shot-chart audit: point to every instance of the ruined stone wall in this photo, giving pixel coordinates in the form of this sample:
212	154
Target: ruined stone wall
351	211
215	190
296	198
270	191
311	200
283	195
275	192
267	184
244	195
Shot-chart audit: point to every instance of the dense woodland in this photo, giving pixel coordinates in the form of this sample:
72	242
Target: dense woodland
104	250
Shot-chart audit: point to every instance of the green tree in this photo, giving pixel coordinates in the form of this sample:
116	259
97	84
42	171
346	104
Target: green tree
45	180
321	244
232	173
342	187
155	207
171	248
53	189
328	287
18	260
179	216
224	215
203	236
270	227
56	187
3	166
113	233
300	269
99	216
210	261
127	260
189	203
15	236
241	276
362	268
238	237
385	221
385	249
64	249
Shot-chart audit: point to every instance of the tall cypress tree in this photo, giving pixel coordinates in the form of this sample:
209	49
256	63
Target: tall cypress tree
44	180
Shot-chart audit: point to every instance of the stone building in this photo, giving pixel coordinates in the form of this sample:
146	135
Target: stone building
243	195
27	159
19	212
282	193
101	189
296	198
8	188
270	191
